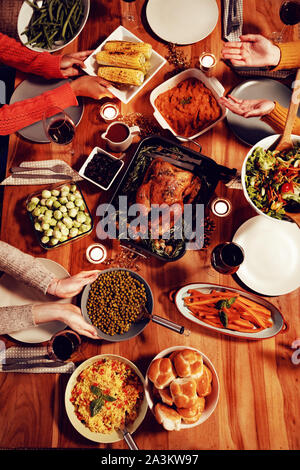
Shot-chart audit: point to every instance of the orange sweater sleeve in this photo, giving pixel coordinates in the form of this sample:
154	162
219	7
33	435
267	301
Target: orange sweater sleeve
14	54
289	55
277	118
23	113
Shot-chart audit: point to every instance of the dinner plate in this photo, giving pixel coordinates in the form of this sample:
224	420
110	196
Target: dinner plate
25	15
35	86
125	93
182	22
277	318
14	292
272	255
115	436
251	130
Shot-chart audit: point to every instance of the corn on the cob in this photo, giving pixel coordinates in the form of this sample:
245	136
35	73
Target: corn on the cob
146	67
135	60
121	75
127	46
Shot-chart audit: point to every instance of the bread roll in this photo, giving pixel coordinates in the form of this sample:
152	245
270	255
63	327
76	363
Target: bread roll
161	372
167	417
184	392
204	382
188	363
192	414
165	396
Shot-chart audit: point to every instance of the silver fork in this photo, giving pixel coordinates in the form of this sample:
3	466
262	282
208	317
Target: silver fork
59	168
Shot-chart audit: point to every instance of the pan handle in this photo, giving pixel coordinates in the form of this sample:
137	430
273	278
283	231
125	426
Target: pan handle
171	325
226	174
129	440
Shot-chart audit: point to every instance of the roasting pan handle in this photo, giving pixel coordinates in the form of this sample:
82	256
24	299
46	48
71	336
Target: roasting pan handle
226	174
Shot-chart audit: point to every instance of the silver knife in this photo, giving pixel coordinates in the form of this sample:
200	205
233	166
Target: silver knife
41	176
30	365
184	162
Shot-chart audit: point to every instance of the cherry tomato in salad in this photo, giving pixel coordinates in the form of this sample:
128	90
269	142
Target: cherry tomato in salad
287	188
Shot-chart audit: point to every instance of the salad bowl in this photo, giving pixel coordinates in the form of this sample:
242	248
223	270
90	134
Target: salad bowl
289	191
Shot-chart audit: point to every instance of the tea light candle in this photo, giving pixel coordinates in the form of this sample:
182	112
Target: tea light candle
109	111
207	61
96	253
221	207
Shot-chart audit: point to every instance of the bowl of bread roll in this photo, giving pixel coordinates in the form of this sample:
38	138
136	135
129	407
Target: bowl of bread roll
182	388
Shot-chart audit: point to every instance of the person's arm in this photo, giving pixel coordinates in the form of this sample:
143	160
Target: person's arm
16	55
277	119
289	55
16	318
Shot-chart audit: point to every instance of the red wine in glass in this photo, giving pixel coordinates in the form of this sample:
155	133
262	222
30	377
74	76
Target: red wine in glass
227	257
290	13
58	126
63	344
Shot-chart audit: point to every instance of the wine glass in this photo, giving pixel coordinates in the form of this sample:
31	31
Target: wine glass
58	126
289	12
129	9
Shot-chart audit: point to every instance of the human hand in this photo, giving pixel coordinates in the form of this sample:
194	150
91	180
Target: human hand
71	63
247	108
67	313
71	286
92	87
253	50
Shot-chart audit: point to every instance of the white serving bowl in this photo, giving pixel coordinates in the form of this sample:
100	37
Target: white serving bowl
212	83
211	400
265	144
115	436
25	15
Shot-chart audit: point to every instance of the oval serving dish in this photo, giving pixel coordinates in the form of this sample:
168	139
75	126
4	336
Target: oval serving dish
279	323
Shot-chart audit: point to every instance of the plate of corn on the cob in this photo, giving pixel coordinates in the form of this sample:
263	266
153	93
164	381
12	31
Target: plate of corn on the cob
126	61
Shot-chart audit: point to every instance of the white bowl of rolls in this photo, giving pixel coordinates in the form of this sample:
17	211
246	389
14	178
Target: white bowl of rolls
181	387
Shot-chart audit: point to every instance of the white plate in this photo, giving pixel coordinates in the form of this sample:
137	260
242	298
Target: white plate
25	15
126	94
35	86
272	255
182	21
79	426
13	292
211	400
278	321
212	83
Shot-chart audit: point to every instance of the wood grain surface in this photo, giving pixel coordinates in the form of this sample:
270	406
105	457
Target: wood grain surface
259	404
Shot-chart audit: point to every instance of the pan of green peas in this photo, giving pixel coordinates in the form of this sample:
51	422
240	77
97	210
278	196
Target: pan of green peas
59	215
119	304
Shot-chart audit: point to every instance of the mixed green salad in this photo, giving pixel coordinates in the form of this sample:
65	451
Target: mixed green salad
273	180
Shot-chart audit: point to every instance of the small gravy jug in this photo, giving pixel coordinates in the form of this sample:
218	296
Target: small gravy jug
118	136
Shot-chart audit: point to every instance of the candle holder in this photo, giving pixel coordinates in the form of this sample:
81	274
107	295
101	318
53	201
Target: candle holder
109	112
96	253
207	62
221	207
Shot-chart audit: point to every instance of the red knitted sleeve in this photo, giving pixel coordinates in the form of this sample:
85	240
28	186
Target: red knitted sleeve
23	113
14	54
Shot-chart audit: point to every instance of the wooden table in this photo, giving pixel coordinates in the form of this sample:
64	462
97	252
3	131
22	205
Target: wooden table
259	386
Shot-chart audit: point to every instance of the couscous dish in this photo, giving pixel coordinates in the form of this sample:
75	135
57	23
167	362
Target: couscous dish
107	395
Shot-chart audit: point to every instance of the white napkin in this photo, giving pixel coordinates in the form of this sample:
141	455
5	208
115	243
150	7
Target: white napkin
31	356
49	175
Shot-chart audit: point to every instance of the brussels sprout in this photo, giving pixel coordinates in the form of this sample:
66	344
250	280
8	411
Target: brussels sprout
56	204
81	218
64	231
73	188
45	239
76	224
40	218
49	232
46	194
88	220
73	232
43	209
52	222
36	212
60	225
35	200
63	239
49	202
55	192
64	189
63	209
72	212
57	214
45	226
57	234
53	241
43	202
31	206
70	205
38	227
71	197
84	228
63	200
68	222
77	194
49	213
79	202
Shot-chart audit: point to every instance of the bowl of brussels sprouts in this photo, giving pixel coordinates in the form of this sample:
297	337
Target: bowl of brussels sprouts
59	215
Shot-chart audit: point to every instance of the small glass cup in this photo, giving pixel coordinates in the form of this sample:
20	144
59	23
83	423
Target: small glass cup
63	344
226	258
